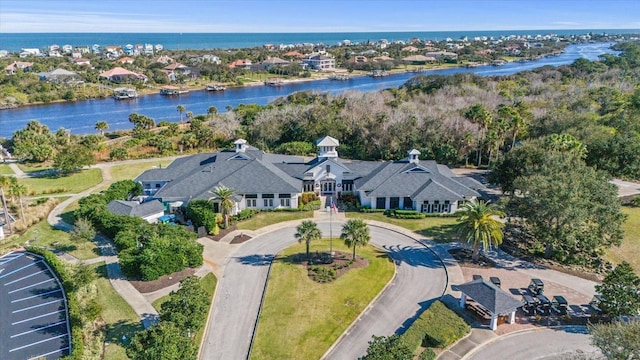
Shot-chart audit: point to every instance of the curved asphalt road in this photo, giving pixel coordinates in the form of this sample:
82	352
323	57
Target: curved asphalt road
538	344
420	279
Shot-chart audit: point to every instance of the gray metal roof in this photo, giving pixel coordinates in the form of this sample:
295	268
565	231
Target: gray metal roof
491	297
133	208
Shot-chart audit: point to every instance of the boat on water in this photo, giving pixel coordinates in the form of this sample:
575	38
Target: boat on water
378	73
123	93
172	91
215	87
274	82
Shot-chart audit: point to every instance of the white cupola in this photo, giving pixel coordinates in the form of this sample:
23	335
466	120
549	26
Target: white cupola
414	156
327	147
241	145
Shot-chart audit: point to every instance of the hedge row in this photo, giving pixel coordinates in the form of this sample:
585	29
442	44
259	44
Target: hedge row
438	326
75	319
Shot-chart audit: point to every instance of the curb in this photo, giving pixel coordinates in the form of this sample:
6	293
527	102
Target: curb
206	325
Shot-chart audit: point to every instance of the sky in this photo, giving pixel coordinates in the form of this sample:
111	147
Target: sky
221	16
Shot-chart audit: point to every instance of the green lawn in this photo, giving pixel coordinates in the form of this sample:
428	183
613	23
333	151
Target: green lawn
42	234
119	317
300	318
435	228
73	183
630	247
273	217
5	170
29	168
131	171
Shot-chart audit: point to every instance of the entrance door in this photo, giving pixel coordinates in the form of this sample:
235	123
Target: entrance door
328	187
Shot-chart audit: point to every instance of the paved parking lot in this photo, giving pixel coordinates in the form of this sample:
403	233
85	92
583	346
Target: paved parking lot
33	312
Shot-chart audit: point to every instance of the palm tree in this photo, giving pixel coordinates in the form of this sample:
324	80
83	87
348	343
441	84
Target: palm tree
101	126
19	190
181	109
224	195
5	183
212	111
478	114
189	116
308	231
477	225
355	233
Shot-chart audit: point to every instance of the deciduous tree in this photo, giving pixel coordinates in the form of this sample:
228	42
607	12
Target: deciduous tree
620	292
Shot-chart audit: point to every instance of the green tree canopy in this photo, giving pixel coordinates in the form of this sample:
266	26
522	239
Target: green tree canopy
186	308
620	292
162	341
618	340
388	348
224	196
73	158
35	142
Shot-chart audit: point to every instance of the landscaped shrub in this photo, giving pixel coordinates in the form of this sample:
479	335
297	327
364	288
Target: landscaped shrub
428	354
312	205
322	274
201	213
438	326
405	214
368	209
308	197
245	214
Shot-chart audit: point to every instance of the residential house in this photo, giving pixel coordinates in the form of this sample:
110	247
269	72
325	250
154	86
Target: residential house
176	70
320	61
82	49
240	64
18	65
418	59
113	52
274	62
442	55
81	61
120	75
267	181
164	59
149	211
410	49
207	58
384	58
294	54
358	59
125	60
60	76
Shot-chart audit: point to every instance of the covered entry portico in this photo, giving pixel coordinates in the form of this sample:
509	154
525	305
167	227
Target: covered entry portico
494	300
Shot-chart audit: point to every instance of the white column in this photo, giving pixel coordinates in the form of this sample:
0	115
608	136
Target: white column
494	322
463	300
512	317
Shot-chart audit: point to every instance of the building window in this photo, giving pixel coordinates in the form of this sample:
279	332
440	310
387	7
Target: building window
425	207
157	186
251	203
394	202
285	202
268	202
381	203
447	206
347	185
407	203
436	207
308	186
460	204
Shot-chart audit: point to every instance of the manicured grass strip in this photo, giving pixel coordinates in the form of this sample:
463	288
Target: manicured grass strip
33	167
119	317
438	326
630	247
435	228
131	171
272	217
42	234
74	183
300	318
5	170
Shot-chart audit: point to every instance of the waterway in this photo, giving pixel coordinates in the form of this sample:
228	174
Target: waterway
80	117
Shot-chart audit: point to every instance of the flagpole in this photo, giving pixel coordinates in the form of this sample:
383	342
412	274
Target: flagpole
331	229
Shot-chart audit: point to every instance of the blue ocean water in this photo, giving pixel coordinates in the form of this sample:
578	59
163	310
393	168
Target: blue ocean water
180	41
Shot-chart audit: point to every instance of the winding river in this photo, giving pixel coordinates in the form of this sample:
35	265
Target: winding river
80	117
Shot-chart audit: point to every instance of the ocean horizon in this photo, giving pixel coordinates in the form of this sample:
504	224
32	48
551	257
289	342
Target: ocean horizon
15	42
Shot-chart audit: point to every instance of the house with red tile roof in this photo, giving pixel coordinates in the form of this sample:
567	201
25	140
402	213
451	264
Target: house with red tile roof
240	64
18	65
119	75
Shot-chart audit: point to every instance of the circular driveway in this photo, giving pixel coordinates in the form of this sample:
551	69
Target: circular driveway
420	278
537	344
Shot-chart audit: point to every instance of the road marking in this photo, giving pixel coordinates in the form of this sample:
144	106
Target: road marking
30	286
10	257
37	329
16	270
35	306
38	342
49	353
22	278
35	296
37	317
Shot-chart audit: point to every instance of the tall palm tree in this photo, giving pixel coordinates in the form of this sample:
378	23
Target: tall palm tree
212	111
181	109
5	183
101	126
189	116
224	195
19	190
478	114
477	225
355	233
308	231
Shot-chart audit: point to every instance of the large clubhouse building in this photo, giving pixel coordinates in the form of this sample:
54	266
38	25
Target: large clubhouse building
267	181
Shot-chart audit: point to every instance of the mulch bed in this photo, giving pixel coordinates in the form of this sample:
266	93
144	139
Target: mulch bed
222	233
239	239
163	281
339	263
464	258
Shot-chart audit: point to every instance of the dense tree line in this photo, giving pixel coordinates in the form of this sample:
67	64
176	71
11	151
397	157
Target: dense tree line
146	251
